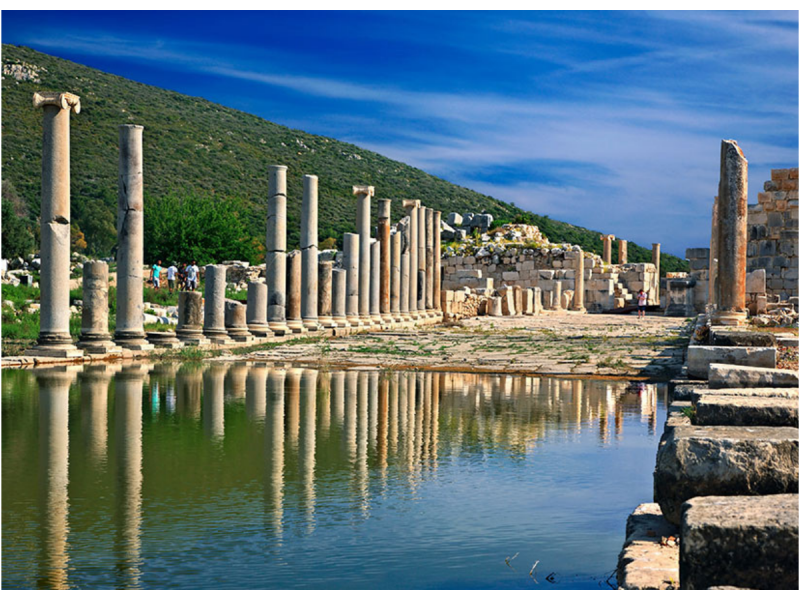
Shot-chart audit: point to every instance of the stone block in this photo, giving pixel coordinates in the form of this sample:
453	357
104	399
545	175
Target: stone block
733	376
726	461
745	542
510	276
756	282
721	336
746	411
644	564
698	358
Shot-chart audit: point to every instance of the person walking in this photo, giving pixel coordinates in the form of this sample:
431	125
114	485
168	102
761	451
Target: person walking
642	296
157	275
172	273
192	276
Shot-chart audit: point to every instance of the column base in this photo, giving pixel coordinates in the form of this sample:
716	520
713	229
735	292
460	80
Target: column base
729	318
279	328
327	322
99	346
355	321
296	326
244	338
340	322
55	351
312	325
164	339
218	337
194	341
132	340
260	329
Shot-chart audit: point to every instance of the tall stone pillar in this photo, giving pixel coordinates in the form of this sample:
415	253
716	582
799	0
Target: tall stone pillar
731	236
656	259
412	210
429	262
214	312
437	261
375	283
578	298
339	303
95	338
257	309
294	317
325	294
130	241
276	251
384	237
363	194
404	229
422	278
351	265
54	337
308	245
394	294
607	241
190	319
622	251
713	260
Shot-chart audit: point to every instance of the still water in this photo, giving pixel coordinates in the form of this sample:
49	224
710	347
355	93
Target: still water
242	475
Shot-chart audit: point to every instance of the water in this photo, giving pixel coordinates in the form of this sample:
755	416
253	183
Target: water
241	475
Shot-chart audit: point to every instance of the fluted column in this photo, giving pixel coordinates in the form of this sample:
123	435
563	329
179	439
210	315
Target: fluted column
363	194
276	250
351	266
309	248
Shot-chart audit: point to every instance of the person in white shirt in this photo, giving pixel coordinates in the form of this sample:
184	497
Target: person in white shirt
172	273
192	275
642	303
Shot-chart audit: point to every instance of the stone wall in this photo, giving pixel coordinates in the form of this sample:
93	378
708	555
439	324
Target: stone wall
772	234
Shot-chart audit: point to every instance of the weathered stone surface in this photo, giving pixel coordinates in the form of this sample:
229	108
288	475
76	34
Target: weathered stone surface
677	417
644	564
683	389
732	376
728	337
727	461
745	411
310	255
746	542
276	250
363	194
766	392
698	358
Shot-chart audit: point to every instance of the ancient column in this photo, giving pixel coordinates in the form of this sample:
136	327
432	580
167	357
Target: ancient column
394	286
54	337
429	262
412	210
384	237
257	309
294	317
276	251
130	241
325	294
607	241
405	270
437	261
339	303
713	259
557	287
308	245
190	319
422	278
622	251
656	258
731	236
214	312
375	283
95	338
351	265
236	321
363	194
577	299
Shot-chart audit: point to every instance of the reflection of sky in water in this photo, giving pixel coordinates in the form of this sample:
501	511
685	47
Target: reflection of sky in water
246	476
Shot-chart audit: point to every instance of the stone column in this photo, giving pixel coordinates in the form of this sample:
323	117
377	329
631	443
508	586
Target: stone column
412	210
394	295
236	321
384	237
405	270
54	338
422	279
325	295
257	309
214	313
190	319
351	266
713	259
95	338
130	241
437	261
308	245
429	262
578	298
656	258
363	194
375	283
340	298
607	241
622	251
556	304
276	251
294	317
731	236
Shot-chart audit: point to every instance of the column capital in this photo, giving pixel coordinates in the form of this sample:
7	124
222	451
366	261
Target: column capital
63	100
609	236
363	190
411	204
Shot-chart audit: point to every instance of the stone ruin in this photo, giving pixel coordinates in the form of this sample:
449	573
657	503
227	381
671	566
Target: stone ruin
458	227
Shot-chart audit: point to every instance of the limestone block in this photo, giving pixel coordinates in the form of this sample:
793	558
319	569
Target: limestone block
495	307
726	461
510	276
756	282
746	542
546	274
723	336
698	358
732	376
744	411
644	564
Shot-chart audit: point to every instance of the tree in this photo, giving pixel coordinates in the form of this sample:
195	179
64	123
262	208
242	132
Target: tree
99	227
17	236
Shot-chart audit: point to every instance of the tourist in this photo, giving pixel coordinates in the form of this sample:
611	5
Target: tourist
642	296
157	275
192	276
172	272
182	277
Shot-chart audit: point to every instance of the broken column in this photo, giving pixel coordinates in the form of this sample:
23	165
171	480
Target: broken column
276	250
437	261
325	294
351	249
577	299
622	251
713	255
95	338
429	262
656	260
236	321
384	237
339	299
375	283
607	241
190	319
294	317
257	309
54	337
731	236
214	312
308	244
394	299
363	194
422	279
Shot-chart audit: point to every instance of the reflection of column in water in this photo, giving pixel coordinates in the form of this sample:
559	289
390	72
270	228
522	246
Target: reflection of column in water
605	405
362	472
402	409
293	405
577	402
128	436
155	399
274	450
167	373
94	411
255	402
618	417
308	425
411	419
235	381
374	376
418	425
651	393
214	400
426	417
324	402
393	401
436	396
351	417
337	398
54	475
170	398
189	387
536	382
383	422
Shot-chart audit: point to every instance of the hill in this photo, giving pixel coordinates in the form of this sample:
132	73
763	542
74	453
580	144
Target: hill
197	148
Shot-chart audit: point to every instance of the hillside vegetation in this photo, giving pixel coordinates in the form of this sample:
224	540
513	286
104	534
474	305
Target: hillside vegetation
194	148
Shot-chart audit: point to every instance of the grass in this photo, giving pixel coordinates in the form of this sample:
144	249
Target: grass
610	363
690	412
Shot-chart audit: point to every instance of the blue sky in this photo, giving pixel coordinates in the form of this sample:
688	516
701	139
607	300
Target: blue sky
608	120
